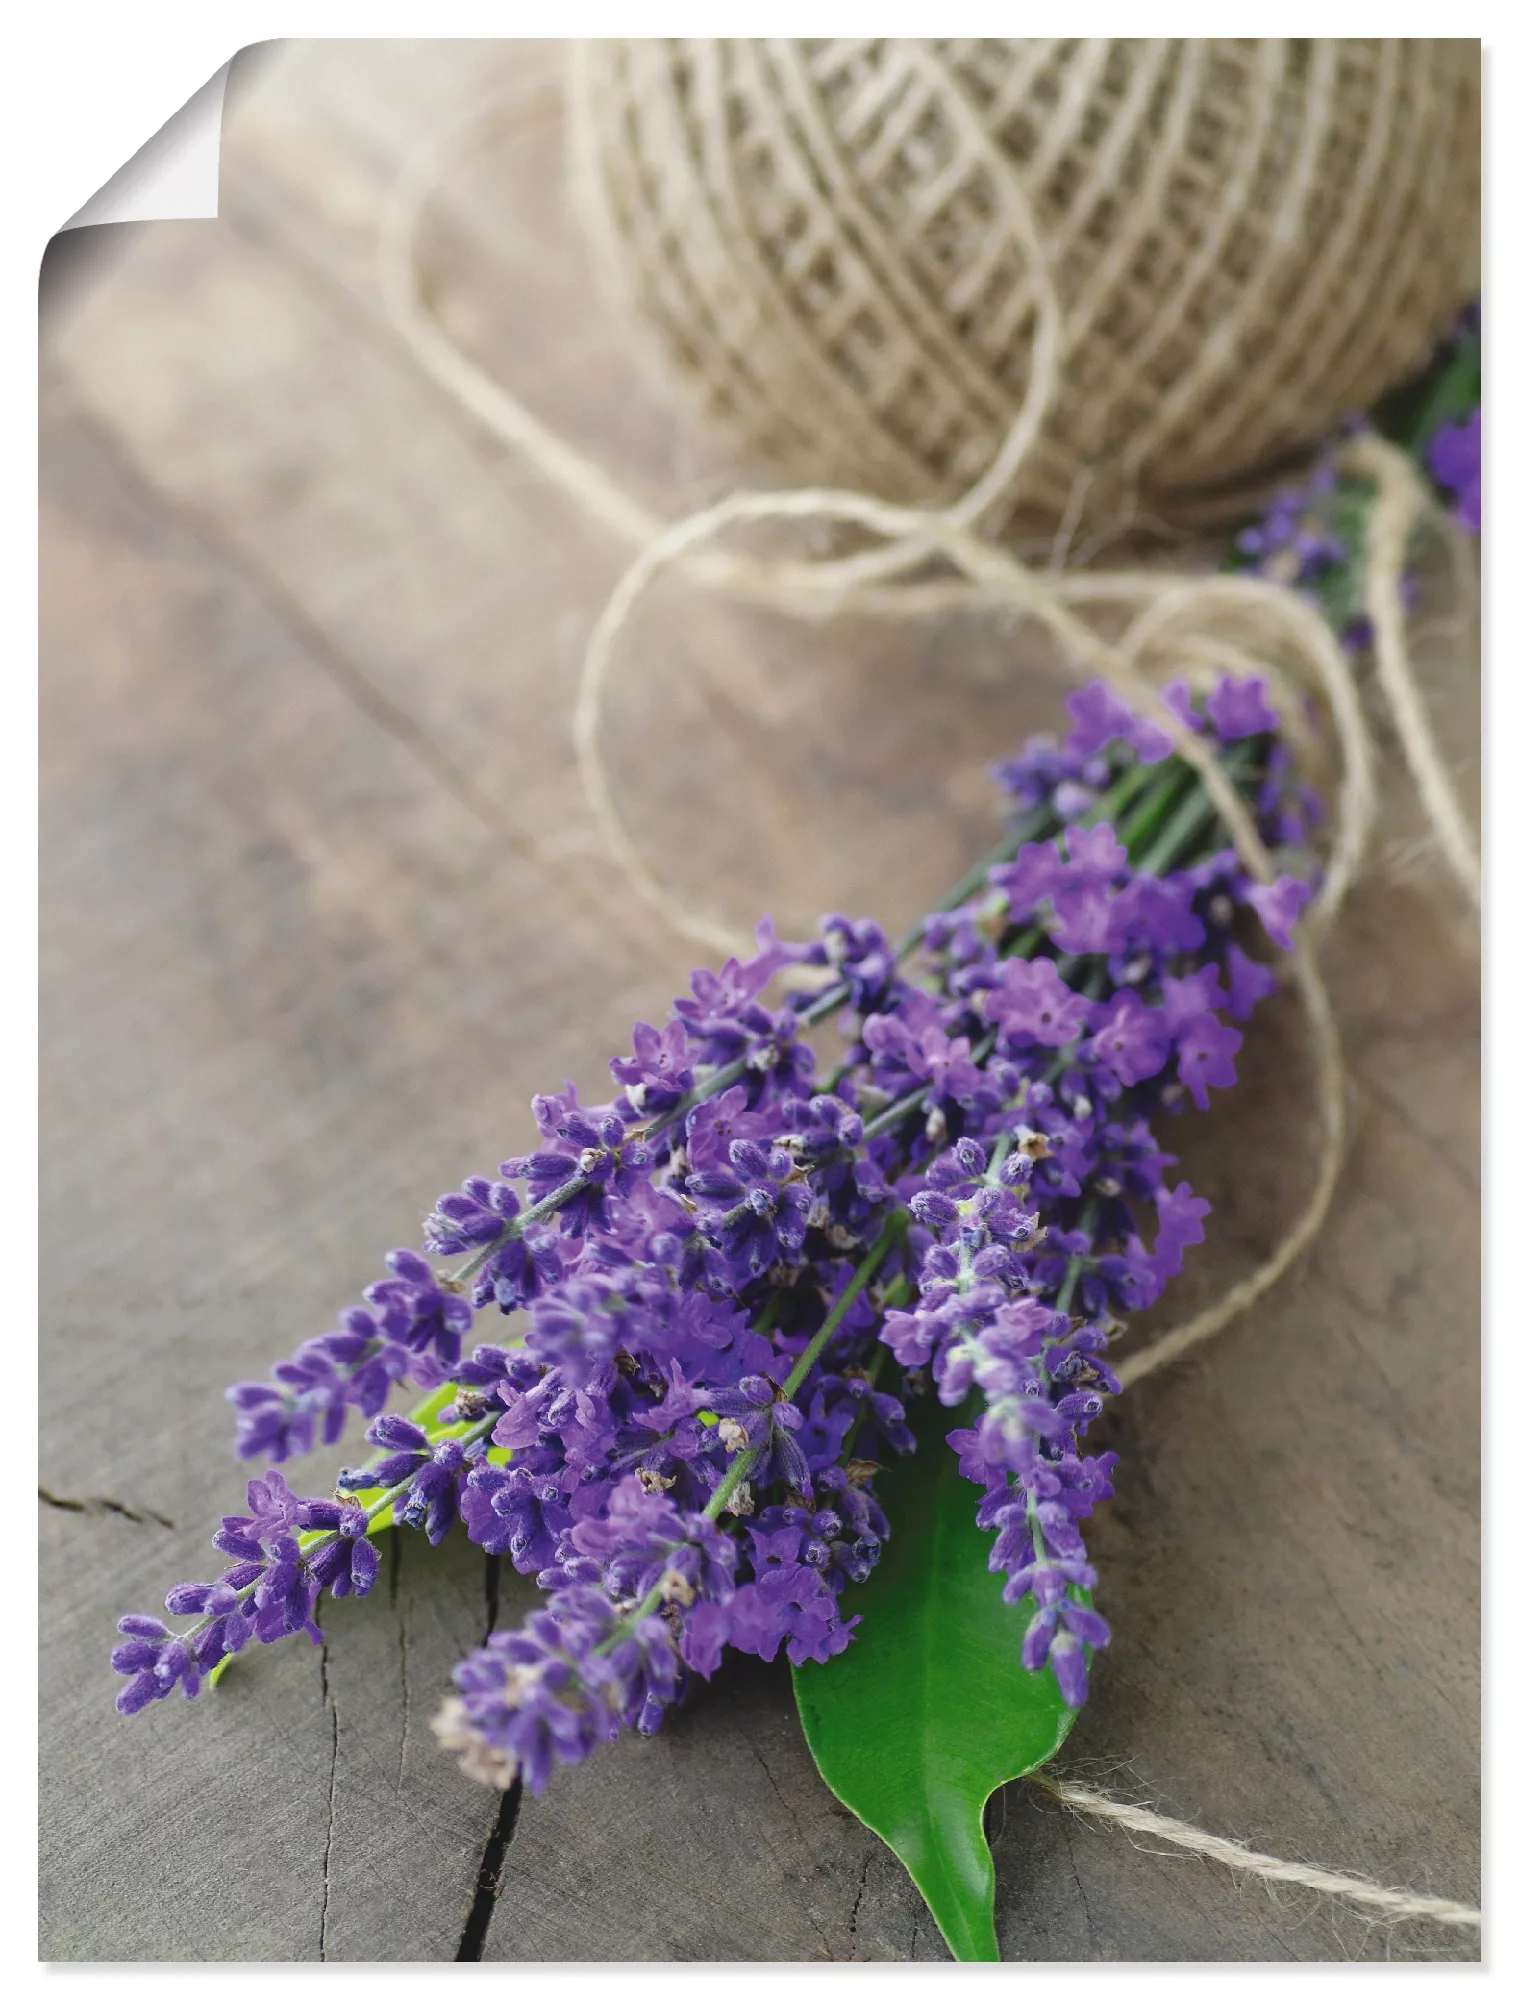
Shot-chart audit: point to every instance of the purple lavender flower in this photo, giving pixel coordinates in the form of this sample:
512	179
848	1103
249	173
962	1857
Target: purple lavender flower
713	1125
1294	541
1181	1215
552	1692
1205	1048
1135	1040
910	1048
408	1449
789	1605
1239	708
643	1543
724	1017
755	1415
284	1597
755	1210
1249	983
1278	905
155	1660
581	1324
346	1564
418	1312
475	1215
1101	718
1038	872
863	958
1455	461
1032	1003
659	1072
847	1185
311	1394
585	1163
273	1511
432	1504
511	1510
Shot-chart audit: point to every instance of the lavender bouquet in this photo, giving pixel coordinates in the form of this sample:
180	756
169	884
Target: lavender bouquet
786	1361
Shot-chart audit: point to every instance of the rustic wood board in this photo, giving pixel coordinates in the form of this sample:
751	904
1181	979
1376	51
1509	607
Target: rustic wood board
323	908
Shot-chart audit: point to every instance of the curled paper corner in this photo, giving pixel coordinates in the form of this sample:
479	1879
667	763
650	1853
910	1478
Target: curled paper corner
176	175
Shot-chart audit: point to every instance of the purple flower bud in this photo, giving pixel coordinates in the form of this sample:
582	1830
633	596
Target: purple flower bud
1069	1662
937	1211
1037	1639
397	1433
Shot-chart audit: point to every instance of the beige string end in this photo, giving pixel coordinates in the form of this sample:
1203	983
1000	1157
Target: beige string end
1233	1854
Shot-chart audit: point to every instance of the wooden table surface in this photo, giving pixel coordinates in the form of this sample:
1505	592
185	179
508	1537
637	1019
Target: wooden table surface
323	908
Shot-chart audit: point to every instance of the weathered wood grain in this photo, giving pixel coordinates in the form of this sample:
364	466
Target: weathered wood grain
323	908
240	1090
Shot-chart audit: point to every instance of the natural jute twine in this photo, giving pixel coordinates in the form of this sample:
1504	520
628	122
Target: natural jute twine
1199	626
843	253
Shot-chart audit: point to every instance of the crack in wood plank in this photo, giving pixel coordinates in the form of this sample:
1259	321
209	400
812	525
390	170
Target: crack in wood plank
1086	1908
492	1593
791	1813
854	1914
488	1880
488	1875
395	1605
98	1504
332	1789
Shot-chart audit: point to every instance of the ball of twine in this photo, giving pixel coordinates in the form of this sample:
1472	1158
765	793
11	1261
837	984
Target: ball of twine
1172	262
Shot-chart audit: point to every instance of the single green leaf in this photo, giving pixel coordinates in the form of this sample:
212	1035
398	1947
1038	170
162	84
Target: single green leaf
930	1710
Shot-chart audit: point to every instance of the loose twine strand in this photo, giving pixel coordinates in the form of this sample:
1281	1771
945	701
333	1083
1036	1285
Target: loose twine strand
1207	625
1233	1854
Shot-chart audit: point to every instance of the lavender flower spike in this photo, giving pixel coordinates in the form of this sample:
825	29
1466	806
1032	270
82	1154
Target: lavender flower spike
728	1288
